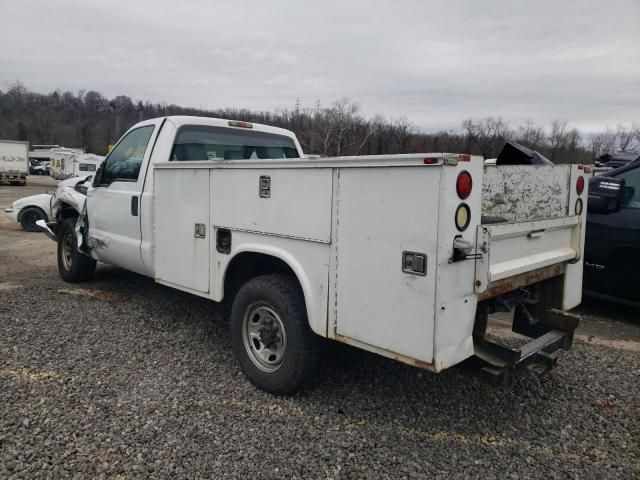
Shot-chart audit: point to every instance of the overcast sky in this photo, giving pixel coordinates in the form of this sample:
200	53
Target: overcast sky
433	62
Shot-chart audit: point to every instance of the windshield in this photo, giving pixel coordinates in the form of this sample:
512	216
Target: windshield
221	143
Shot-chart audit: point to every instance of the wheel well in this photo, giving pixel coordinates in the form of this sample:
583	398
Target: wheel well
66	211
46	217
248	265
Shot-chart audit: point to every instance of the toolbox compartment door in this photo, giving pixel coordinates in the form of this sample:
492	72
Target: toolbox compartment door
182	231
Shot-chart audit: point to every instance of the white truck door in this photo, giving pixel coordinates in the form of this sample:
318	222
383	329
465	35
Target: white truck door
113	205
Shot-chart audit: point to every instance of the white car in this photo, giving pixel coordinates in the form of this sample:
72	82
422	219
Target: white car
28	210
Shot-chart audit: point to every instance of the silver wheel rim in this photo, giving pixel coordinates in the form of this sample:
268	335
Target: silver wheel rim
264	337
67	250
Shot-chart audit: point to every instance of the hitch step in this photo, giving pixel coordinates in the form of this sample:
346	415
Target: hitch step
503	363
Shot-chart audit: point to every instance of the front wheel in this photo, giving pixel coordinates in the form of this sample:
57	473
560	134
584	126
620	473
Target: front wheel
73	265
271	335
28	218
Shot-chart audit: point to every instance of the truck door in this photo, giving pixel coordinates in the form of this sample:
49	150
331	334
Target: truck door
113	204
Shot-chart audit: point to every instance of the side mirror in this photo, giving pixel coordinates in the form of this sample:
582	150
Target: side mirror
605	194
97	178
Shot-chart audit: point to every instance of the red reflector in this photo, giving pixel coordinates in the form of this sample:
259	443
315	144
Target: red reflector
580	185
430	161
464	158
464	184
580	167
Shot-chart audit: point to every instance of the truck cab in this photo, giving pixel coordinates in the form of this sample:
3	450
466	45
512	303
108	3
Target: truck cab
119	204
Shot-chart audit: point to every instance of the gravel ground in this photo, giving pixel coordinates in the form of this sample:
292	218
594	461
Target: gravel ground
124	378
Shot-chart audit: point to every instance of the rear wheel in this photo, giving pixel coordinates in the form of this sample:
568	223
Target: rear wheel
73	265
271	335
28	218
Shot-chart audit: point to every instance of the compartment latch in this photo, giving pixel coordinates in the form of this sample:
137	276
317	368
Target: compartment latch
414	263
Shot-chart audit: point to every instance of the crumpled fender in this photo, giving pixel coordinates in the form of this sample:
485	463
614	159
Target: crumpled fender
67	194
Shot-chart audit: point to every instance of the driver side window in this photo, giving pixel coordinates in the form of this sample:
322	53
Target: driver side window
124	161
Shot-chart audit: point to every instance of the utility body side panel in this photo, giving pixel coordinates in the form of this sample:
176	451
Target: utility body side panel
381	213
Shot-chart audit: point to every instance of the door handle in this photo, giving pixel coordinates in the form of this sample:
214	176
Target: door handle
134	206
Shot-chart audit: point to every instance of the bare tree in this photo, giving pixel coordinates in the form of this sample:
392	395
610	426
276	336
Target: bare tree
488	135
92	120
530	135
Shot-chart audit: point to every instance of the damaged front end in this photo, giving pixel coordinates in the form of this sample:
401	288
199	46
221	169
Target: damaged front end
69	200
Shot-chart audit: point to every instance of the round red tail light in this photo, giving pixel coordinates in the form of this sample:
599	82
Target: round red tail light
464	185
580	185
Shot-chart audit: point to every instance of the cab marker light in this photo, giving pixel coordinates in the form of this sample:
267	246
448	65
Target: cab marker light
451	160
236	123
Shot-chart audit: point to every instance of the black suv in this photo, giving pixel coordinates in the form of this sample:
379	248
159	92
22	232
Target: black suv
612	245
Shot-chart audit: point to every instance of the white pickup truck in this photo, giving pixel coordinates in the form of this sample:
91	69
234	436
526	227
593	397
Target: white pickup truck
401	255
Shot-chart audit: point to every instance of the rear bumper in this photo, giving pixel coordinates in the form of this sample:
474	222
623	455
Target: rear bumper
13	177
501	363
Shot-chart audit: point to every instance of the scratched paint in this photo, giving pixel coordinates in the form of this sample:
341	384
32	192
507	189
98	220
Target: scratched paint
519	193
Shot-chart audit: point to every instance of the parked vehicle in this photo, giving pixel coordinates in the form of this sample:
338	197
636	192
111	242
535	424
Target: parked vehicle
401	255
13	162
40	159
28	210
610	161
612	250
41	152
38	167
73	162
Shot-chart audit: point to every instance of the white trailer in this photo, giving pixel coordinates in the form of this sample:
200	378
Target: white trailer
401	255
14	162
73	162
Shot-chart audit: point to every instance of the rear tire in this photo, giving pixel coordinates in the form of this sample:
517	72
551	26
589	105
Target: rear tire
271	335
72	265
28	218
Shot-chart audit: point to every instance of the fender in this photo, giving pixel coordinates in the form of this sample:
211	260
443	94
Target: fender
316	308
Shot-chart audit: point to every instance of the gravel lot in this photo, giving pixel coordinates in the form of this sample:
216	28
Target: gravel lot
124	378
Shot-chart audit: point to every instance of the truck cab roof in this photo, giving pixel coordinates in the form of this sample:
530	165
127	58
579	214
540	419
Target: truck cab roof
180	120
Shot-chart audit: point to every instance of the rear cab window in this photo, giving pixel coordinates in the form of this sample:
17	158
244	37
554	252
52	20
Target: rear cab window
201	142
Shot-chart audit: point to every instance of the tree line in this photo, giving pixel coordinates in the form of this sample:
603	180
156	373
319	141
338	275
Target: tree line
89	119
